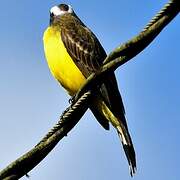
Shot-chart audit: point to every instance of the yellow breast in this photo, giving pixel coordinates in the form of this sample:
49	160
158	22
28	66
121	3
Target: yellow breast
60	63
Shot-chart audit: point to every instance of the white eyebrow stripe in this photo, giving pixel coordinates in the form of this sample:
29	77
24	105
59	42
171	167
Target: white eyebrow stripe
70	9
56	11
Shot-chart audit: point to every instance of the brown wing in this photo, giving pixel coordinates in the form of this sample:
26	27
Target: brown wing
88	54
82	45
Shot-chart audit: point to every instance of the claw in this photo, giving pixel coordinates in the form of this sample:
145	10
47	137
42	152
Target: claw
72	99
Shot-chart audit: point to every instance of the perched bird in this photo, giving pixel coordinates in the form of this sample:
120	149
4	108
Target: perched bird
73	52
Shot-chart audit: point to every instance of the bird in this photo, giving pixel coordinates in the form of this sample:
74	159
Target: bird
73	53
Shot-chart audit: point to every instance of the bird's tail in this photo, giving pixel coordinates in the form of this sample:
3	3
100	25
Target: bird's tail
128	148
122	132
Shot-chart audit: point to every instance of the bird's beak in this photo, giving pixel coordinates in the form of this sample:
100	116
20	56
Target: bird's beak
51	19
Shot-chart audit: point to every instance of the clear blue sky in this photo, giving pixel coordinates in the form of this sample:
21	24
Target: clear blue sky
31	100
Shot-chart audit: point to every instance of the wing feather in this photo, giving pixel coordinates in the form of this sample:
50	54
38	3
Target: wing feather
81	44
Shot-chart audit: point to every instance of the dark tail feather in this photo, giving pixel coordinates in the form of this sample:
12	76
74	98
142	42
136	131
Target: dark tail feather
100	117
96	108
128	149
130	154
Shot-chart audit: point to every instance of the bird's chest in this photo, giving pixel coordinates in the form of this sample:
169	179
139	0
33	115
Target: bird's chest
60	63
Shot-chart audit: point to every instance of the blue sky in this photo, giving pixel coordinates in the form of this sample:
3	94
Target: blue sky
31	100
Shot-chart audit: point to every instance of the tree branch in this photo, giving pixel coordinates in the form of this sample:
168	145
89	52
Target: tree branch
72	115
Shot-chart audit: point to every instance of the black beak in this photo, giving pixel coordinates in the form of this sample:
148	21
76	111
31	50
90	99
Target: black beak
51	18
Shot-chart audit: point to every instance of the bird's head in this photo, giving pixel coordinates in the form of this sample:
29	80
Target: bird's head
60	10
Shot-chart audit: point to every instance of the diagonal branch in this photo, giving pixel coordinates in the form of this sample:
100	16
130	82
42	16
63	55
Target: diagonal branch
72	115
130	49
28	161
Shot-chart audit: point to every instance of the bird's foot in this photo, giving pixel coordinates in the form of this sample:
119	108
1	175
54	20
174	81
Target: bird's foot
72	99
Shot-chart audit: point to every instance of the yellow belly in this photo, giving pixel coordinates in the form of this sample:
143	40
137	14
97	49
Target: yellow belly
60	63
